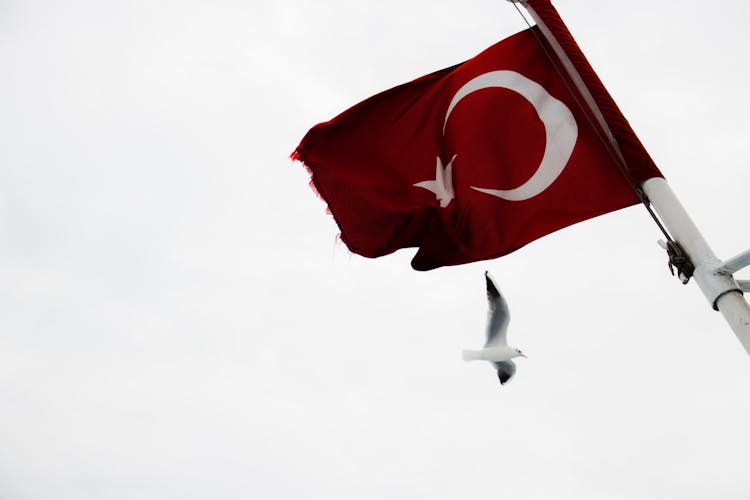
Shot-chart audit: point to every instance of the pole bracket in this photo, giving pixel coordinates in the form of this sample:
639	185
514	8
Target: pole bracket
678	260
731	266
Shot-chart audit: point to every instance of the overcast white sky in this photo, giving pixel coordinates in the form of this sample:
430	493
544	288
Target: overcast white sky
178	321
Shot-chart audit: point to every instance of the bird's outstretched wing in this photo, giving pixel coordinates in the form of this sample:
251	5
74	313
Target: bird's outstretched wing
498	316
505	370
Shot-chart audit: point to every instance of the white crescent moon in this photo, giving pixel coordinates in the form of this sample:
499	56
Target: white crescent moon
560	129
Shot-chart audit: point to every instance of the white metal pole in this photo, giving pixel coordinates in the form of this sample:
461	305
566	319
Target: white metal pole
719	287
713	277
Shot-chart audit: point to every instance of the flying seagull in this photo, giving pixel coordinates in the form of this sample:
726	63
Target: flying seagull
496	350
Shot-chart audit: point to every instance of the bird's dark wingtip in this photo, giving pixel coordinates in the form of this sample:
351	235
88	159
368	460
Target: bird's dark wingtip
505	370
504	377
492	290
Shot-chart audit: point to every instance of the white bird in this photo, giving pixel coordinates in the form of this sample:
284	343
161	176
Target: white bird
496	349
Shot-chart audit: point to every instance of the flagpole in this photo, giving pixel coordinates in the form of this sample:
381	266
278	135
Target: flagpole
719	286
713	277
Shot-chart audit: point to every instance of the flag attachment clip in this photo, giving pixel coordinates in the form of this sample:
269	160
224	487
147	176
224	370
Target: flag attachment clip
679	260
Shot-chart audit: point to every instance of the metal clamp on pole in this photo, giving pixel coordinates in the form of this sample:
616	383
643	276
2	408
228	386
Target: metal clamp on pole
679	260
715	285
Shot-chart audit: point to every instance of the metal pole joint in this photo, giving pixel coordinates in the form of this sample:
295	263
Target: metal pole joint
713	284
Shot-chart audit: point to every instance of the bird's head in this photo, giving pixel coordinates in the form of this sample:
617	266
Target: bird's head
518	353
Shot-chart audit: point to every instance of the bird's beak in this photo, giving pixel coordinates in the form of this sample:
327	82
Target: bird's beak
522	354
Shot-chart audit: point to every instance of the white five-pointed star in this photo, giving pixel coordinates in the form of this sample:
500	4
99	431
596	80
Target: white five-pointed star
442	186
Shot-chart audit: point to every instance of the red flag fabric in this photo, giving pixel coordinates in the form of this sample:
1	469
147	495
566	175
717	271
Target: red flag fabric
639	163
468	163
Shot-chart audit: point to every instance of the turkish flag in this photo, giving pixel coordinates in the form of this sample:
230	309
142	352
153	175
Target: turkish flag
468	163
